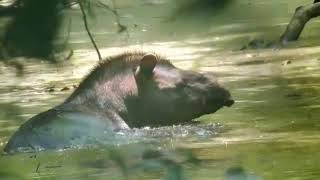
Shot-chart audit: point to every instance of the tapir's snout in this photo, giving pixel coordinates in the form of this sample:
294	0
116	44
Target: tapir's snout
227	98
228	102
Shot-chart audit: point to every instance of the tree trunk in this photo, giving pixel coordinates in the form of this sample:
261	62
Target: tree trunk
301	16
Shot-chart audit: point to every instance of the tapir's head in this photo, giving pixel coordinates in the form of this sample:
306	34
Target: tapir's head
168	95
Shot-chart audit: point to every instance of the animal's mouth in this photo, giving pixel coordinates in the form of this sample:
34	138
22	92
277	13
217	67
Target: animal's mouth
214	105
228	102
220	102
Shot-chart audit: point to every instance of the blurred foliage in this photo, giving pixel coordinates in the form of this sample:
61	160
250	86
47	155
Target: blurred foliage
32	29
151	160
34	26
200	6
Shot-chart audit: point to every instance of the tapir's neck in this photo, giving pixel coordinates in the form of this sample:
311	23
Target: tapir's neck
106	95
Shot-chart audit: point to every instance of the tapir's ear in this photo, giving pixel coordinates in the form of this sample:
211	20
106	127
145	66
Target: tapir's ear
147	64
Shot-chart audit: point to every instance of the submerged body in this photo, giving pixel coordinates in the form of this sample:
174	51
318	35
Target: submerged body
125	91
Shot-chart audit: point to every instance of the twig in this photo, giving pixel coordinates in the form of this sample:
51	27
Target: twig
38	166
113	10
84	17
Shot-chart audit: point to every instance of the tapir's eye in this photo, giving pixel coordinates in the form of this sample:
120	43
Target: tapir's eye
134	69
201	78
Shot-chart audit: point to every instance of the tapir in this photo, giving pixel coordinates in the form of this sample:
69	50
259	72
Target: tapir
130	90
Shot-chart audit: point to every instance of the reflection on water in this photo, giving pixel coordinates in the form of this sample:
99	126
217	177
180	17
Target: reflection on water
271	132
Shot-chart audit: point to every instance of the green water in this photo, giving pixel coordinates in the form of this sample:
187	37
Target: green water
272	131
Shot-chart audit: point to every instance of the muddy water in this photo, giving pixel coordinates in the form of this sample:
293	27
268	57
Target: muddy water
272	132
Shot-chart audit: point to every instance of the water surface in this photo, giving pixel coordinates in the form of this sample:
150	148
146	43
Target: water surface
272	131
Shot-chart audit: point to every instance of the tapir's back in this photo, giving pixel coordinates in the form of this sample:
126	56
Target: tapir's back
55	129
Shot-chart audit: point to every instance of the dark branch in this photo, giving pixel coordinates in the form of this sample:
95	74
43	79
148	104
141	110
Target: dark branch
297	23
84	16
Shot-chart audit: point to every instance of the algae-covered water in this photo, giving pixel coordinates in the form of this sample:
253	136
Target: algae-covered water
271	132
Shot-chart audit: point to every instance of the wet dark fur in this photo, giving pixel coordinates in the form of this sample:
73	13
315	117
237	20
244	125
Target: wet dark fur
110	67
133	89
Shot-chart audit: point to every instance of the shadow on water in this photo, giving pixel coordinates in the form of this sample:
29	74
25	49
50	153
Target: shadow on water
10	115
133	160
10	111
192	7
8	176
